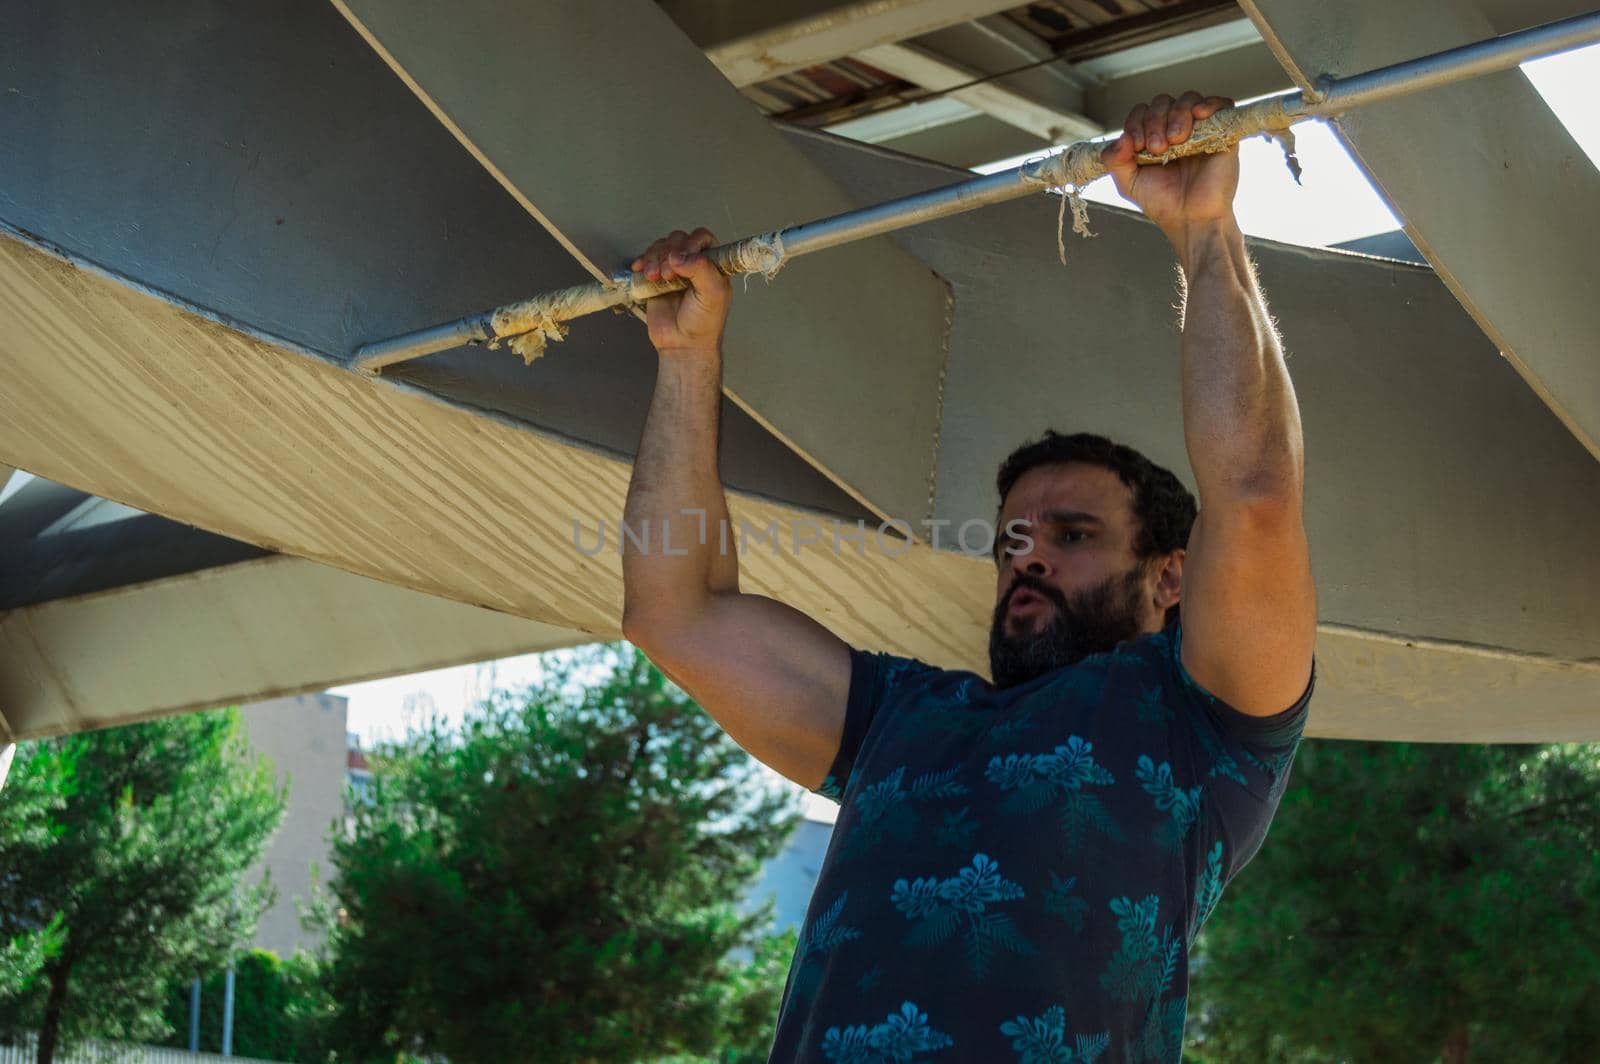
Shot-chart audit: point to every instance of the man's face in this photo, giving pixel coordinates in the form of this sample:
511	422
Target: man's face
1078	589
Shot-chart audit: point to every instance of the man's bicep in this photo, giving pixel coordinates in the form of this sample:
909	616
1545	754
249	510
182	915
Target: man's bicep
773	678
1249	607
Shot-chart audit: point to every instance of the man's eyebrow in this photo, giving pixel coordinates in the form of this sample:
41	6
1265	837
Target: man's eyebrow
1072	517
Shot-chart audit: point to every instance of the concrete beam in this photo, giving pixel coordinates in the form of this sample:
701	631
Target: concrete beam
747	54
239	633
967	142
1241	73
1408	690
287	451
1499	197
316	202
553	72
130	397
920	66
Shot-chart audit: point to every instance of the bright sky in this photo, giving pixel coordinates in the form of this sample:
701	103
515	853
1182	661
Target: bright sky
1335	203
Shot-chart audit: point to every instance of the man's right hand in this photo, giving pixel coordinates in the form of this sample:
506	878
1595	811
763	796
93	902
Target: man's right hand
690	321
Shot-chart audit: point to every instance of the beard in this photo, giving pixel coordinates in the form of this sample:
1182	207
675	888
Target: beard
1091	622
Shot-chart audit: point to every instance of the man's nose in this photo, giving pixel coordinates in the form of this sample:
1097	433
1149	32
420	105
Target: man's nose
1030	562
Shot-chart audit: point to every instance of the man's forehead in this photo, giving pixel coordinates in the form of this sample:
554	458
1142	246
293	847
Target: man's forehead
1077	486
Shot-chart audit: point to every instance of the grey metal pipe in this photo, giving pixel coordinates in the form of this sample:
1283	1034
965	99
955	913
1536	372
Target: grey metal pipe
1332	96
1335	96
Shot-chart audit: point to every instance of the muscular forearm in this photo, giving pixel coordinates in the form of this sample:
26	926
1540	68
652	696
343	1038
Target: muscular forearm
674	482
1241	422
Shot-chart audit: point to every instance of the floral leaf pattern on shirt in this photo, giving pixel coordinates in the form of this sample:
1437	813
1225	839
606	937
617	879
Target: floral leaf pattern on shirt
1181	806
1152	706
1144	965
1011	730
822	935
958	830
1208	888
1161	1036
1060	900
869	979
884	810
941	907
1059	777
904	1036
1043	1040
1272	764
959	780
1222	762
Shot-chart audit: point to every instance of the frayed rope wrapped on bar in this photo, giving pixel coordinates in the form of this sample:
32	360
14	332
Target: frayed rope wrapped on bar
529	326
1072	168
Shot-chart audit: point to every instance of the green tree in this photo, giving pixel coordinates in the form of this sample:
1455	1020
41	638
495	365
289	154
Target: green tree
1414	903
29	806
557	879
144	867
278	1008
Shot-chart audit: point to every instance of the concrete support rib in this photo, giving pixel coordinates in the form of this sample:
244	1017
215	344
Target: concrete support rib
1492	188
920	66
605	122
274	626
747	54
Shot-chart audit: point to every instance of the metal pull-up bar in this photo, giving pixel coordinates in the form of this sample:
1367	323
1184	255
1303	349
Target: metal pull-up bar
528	324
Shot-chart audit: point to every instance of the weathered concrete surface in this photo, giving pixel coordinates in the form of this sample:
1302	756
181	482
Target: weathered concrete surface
1409	690
273	626
1437	536
277	175
611	127
1422	523
1491	187
754	42
131	398
288	452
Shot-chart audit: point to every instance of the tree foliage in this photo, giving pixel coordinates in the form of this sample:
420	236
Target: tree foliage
556	880
1414	902
29	807
278	1008
152	829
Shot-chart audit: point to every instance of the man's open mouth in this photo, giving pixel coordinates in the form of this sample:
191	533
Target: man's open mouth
1024	599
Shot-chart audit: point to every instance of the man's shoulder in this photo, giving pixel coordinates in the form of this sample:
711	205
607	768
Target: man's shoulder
887	676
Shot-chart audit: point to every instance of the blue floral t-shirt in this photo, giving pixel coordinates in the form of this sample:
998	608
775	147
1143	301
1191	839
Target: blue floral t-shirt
1018	875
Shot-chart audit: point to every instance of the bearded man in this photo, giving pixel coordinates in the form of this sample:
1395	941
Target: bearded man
1020	865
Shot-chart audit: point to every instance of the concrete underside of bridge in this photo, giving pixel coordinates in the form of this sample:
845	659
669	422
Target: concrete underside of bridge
189	271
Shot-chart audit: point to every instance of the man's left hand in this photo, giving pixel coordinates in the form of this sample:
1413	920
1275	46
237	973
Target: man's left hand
1183	192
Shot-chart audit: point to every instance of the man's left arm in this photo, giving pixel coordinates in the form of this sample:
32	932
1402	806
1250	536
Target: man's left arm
1248	602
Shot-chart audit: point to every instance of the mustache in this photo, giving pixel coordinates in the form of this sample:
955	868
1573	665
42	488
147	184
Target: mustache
1034	584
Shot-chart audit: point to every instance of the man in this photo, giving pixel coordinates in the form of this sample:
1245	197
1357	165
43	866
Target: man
1019	868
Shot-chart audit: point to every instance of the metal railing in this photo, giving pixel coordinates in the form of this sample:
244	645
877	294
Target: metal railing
96	1052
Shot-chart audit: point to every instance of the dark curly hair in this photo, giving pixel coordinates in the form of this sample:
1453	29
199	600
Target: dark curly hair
1164	508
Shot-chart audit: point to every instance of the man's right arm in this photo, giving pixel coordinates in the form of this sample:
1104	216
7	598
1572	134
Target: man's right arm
773	678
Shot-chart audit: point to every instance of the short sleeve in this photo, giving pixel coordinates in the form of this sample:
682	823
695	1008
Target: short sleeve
1243	761
1266	741
876	681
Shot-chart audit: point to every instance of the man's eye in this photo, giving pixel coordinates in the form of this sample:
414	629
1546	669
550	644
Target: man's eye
1068	534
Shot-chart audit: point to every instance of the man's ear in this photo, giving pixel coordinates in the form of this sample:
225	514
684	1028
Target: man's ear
1169	579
